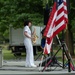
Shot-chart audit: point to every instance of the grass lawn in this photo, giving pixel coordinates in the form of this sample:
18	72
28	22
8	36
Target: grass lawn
8	55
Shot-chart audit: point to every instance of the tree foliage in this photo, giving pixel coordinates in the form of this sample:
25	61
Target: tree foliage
14	12
72	15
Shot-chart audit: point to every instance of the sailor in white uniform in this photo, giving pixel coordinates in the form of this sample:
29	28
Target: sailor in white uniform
28	45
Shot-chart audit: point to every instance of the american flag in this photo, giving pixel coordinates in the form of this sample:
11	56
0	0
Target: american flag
50	29
62	16
56	23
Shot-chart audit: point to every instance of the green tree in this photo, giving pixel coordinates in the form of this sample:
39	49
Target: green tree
14	12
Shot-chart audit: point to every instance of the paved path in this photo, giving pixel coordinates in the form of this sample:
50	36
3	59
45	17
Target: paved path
18	68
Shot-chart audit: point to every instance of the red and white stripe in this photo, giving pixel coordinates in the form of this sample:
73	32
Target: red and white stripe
62	18
57	22
49	30
65	12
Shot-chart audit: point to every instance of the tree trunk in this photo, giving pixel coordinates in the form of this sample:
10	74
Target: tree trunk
69	41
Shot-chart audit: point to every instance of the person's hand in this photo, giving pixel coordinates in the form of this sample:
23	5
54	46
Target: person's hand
33	38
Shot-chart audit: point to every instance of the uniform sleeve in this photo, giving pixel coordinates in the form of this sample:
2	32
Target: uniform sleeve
26	28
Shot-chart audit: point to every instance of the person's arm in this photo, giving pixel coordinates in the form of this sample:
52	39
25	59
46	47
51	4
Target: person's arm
26	34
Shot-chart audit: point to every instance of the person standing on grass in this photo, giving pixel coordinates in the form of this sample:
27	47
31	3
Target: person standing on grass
28	44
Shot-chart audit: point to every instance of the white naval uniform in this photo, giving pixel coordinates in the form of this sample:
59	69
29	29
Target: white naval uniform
29	48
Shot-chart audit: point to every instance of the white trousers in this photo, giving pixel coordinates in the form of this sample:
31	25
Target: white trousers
29	52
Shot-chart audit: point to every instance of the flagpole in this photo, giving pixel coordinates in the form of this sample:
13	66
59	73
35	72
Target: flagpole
63	47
